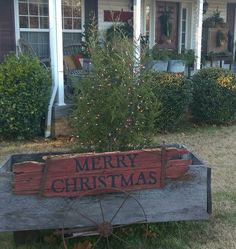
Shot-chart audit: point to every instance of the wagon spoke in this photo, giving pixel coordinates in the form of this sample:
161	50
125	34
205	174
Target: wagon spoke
108	244
94	245
63	239
119	208
100	203
120	239
86	217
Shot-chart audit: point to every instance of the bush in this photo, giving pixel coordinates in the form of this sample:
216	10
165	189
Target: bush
114	107
173	95
24	94
214	96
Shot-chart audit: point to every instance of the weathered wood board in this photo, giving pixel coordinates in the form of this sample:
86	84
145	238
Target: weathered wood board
73	175
188	198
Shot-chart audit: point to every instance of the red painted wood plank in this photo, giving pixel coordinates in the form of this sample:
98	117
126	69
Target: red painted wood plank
75	174
80	184
29	166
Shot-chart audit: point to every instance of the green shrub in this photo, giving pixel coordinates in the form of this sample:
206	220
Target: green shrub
24	93
114	107
214	96
173	95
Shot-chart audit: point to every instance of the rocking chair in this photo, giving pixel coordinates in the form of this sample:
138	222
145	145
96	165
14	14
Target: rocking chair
25	48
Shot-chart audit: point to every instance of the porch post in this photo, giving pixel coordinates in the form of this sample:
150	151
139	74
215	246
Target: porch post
198	34
56	48
137	31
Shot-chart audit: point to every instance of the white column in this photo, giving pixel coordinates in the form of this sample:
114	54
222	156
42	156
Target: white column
137	30
59	40
56	48
52	40
198	34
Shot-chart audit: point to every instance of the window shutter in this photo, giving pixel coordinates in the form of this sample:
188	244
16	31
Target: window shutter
7	28
91	7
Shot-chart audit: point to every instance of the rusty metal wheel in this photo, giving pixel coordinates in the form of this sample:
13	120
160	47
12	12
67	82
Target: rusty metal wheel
106	223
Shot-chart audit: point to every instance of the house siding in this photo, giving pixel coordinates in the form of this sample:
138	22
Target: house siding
7	28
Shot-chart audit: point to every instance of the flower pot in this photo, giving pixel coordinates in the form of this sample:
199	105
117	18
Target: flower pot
159	66
176	66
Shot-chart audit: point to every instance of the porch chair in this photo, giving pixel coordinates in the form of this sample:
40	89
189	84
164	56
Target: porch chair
73	68
23	47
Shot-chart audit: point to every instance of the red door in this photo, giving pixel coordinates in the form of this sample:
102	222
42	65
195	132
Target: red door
167	18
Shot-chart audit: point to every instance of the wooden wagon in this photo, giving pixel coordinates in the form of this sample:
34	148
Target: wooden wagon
94	192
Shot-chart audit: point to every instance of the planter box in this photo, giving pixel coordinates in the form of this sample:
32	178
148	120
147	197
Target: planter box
176	66
160	66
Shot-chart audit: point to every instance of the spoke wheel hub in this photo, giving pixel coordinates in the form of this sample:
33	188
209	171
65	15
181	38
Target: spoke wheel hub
105	229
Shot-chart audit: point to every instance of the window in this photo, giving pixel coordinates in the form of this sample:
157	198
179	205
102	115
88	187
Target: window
34	25
184	29
72	21
148	21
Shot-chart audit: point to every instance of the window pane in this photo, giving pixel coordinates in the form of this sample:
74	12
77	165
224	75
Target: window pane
44	23
77	23
67	11
34	22
77	3
33	9
184	14
67	23
67	2
39	42
71	38
24	22
23	8
76	12
43	9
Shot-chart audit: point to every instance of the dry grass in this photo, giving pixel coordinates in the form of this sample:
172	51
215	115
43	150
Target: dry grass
217	147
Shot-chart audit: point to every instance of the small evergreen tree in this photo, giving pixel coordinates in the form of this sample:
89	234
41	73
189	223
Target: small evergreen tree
114	106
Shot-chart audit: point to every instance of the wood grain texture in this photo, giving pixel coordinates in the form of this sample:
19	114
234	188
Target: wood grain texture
185	199
77	174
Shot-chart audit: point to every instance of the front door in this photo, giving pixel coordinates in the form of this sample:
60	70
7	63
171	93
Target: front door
167	16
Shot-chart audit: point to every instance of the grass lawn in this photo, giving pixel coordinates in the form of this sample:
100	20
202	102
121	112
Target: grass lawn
217	147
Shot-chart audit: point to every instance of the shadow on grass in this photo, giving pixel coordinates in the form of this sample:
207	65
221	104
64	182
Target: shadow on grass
169	235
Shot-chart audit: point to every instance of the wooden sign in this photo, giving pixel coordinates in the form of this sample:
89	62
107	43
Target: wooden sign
117	16
94	173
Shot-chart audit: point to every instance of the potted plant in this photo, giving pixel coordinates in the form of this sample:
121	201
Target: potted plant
214	21
176	63
159	59
90	34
